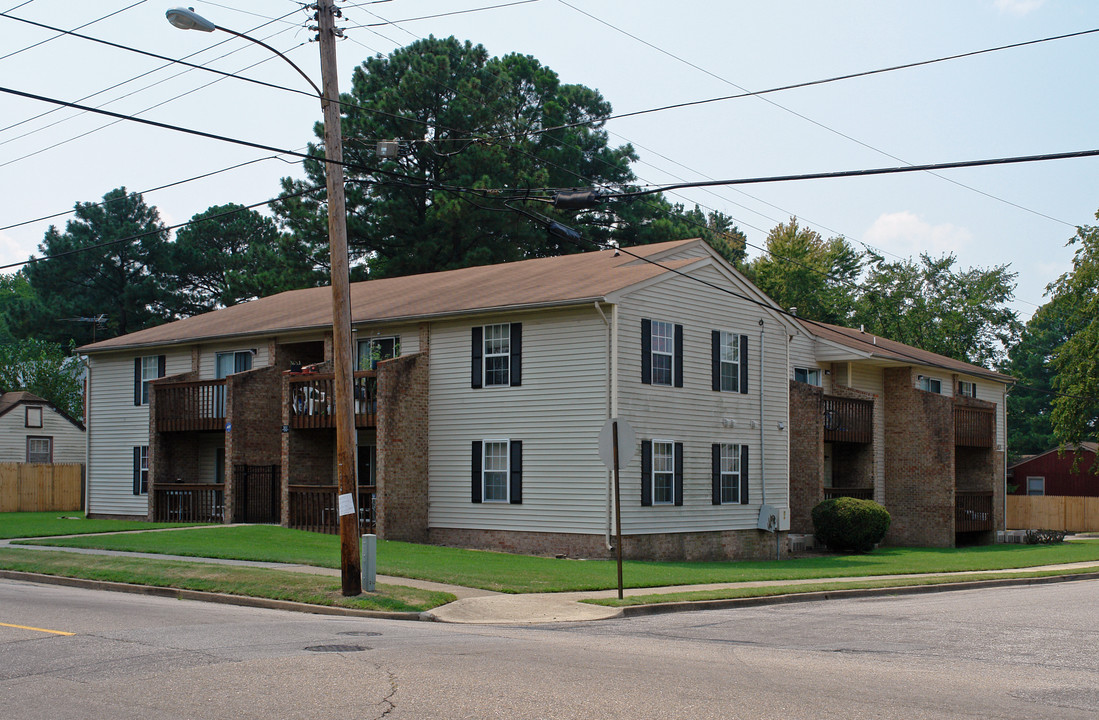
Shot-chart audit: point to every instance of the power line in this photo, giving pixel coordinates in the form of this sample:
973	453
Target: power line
438	15
61	32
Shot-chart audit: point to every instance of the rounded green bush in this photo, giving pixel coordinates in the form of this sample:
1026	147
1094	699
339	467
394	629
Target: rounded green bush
850	525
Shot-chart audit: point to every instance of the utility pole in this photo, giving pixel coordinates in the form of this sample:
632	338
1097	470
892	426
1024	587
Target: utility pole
350	560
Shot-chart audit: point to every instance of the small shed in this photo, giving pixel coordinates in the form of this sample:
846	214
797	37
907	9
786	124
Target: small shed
1052	473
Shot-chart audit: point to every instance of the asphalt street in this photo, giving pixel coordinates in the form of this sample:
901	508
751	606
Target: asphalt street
994	653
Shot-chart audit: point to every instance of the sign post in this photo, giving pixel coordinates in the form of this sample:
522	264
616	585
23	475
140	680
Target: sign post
617	433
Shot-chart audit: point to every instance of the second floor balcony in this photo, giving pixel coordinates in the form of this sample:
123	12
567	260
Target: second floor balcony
847	419
189	406
312	399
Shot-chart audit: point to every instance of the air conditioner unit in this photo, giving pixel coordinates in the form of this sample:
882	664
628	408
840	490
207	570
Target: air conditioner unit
773	519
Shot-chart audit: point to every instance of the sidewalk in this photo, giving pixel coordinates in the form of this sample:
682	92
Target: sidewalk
485	607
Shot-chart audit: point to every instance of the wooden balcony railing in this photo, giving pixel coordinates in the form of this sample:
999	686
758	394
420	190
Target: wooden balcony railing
312	400
193	405
189	502
973	511
860	493
848	420
314	508
974	426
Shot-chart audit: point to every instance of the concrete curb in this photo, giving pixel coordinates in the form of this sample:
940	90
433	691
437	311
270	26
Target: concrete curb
179	594
692	605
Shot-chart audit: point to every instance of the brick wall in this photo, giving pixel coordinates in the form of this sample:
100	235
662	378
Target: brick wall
919	462
402	442
252	408
723	545
806	455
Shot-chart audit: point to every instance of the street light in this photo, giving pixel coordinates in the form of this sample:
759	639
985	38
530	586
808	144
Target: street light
188	19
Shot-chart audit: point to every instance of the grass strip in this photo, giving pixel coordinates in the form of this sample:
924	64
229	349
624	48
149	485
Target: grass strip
229	579
772	590
42	524
505	572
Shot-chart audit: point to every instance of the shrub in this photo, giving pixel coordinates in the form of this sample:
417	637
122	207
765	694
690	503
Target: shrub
1044	537
850	525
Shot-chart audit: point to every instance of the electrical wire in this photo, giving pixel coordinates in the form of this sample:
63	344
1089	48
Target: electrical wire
439	15
62	32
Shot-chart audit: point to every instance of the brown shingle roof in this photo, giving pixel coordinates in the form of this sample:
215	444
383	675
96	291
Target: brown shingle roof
883	348
10	399
562	280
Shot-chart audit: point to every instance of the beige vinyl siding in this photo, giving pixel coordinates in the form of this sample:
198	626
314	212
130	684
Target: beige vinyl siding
115	426
68	440
803	355
207	363
990	391
871	379
557	413
407	335
693	414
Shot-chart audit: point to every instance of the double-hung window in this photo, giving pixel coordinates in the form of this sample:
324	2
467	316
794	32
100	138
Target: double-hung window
967	389
141	469
40	450
661	353
498	471
729	361
730	474
497	355
661	472
146	369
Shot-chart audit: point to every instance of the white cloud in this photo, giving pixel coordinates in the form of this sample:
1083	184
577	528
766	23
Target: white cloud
1018	7
905	234
12	251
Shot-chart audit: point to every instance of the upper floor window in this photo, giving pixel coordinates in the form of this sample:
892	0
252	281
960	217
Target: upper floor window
810	376
39	450
661	353
967	389
34	416
146	369
374	350
227	363
930	384
497	355
729	361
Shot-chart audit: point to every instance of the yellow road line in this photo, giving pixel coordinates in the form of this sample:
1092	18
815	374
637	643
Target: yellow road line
25	627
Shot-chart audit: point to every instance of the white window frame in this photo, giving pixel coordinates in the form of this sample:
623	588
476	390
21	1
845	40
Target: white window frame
812	376
669	473
663	341
48	453
506	471
1041	480
143	470
232	353
926	384
730	342
366	360
729	468
33	417
150	370
967	388
489	334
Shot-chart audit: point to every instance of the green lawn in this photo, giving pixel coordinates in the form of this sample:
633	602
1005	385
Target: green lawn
233	580
519	573
40	524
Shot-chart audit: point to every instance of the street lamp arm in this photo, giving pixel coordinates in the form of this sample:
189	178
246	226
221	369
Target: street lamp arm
188	19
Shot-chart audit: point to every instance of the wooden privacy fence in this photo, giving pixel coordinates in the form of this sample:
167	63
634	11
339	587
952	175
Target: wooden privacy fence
39	487
1052	512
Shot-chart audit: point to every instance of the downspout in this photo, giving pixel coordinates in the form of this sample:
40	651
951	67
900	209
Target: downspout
88	430
610	414
762	432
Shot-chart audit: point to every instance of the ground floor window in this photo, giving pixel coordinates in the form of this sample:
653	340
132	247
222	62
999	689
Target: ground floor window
40	449
498	471
141	470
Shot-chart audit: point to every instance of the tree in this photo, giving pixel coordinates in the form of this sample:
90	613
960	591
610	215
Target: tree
104	263
961	314
803	270
1030	404
228	255
1076	360
495	126
46	369
15	290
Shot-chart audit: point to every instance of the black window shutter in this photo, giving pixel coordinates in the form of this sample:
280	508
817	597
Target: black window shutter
516	479
744	364
715	467
478	359
715	359
516	354
677	478
476	487
647	352
646	472
743	474
678	356
161	365
137	468
137	381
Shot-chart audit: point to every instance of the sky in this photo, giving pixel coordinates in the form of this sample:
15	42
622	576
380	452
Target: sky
639	54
